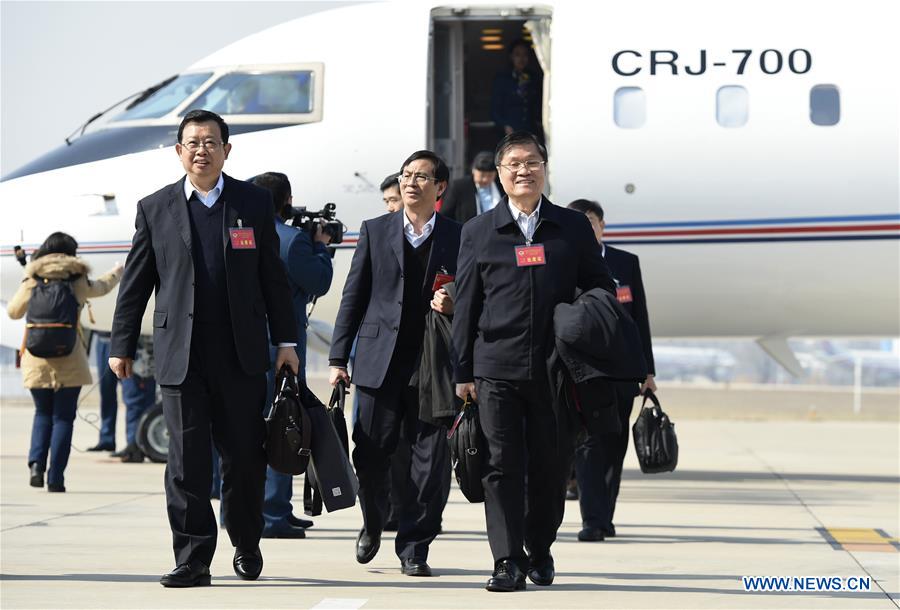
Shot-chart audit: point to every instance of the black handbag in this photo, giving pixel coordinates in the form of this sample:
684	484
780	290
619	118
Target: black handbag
330	480
467	452
654	438
288	427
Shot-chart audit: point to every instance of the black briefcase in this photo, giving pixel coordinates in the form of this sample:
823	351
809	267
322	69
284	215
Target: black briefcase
330	472
467	452
288	428
654	438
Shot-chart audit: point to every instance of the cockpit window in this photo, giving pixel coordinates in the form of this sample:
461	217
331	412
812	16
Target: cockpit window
269	93
166	99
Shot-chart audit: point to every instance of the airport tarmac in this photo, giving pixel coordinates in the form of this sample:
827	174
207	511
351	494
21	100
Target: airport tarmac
749	498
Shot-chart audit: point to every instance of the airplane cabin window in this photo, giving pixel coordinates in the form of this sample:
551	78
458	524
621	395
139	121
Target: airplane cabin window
824	105
732	108
630	107
270	93
164	100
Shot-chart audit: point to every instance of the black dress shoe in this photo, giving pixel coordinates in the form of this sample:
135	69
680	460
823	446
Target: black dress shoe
118	454
285	530
248	564
611	532
507	578
187	575
102	447
415	567
367	546
591	534
298	522
37	475
390	525
542	572
133	455
56	488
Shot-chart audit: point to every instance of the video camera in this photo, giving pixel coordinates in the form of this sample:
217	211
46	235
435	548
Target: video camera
309	221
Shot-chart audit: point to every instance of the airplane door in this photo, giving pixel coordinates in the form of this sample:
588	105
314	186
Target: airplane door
469	48
446	132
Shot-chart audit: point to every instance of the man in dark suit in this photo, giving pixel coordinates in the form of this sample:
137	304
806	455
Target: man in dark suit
470	196
399	259
208	246
516	263
598	461
309	272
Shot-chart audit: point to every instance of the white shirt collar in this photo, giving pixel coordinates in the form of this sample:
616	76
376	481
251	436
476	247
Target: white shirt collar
409	231
211	197
602	249
527	224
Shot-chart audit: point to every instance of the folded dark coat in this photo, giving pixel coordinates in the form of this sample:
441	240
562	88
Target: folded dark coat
438	403
596	342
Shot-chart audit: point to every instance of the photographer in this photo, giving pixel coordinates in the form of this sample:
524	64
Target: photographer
309	272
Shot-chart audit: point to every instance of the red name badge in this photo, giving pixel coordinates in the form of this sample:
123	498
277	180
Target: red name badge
242	239
529	256
623	293
440	279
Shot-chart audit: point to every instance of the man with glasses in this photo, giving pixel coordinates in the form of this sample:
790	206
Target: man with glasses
207	245
400	262
516	263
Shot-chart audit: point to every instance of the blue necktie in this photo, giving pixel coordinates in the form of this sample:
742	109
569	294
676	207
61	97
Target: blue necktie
484	196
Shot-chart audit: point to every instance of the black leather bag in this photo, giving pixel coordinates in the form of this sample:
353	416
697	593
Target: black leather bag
288	427
468	452
654	438
330	478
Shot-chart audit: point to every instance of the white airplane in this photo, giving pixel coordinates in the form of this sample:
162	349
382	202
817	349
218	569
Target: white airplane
747	153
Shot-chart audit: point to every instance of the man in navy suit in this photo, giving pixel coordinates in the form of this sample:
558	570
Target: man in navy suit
309	270
399	260
208	248
598	461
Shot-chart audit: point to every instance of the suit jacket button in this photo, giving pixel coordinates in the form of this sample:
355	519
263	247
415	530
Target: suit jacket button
396	328
191	316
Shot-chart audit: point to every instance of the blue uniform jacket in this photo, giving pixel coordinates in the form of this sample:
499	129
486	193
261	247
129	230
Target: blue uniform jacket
309	273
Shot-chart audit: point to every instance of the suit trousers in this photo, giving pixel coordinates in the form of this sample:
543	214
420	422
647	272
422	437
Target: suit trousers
385	414
107	384
520	428
217	396
598	466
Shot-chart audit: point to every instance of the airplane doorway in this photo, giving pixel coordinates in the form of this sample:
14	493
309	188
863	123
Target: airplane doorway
469	48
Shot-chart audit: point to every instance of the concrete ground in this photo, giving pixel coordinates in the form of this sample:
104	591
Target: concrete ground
749	498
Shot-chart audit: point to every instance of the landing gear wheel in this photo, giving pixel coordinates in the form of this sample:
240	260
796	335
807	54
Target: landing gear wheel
152	435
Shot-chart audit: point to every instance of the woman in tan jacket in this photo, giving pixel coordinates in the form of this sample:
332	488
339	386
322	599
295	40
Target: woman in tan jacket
56	382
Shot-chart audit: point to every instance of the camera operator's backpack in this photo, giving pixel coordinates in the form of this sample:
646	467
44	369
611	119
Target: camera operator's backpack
52	318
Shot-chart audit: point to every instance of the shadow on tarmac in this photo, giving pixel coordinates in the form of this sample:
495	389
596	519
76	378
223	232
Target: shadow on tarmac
435	583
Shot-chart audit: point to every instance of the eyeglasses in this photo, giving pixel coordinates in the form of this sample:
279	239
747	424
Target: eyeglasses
194	145
532	166
419	179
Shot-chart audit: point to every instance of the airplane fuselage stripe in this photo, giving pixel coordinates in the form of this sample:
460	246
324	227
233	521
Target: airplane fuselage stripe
727	231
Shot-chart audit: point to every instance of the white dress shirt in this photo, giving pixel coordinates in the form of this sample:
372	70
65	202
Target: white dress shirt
409	231
209	200
527	224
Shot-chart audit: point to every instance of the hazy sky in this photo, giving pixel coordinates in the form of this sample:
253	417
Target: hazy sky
61	62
